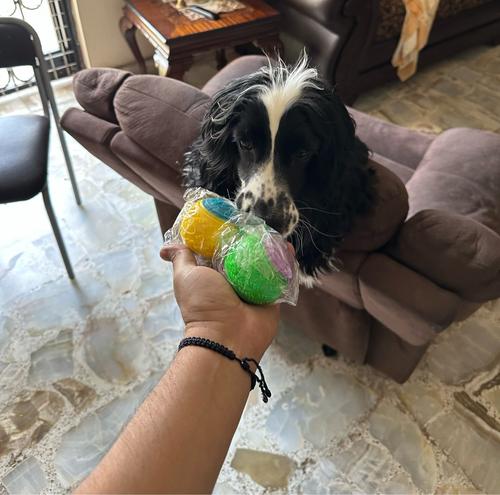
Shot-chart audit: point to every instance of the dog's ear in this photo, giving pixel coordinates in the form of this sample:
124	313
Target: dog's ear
352	172
353	164
342	165
213	157
211	160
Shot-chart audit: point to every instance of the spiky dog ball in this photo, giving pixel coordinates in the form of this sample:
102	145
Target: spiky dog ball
201	224
258	269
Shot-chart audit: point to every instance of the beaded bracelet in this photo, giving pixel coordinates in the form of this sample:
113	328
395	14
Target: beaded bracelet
244	363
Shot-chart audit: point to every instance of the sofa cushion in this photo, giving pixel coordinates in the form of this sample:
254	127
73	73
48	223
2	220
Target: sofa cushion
95	90
391	207
161	115
460	173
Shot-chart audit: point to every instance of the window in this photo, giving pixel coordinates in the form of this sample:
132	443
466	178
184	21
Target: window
52	20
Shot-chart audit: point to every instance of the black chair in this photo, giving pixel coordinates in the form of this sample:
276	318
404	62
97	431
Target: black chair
24	139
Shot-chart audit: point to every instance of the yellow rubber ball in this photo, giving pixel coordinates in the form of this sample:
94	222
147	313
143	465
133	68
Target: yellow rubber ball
202	222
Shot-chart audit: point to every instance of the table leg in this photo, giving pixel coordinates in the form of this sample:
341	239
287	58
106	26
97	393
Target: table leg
220	57
177	67
161	63
128	31
271	46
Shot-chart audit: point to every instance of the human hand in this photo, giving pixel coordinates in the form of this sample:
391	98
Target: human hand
211	309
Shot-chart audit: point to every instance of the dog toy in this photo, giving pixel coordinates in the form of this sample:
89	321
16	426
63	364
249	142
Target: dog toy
254	258
258	271
201	224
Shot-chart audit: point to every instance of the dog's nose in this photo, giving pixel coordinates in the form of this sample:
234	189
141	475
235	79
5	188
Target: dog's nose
262	208
265	211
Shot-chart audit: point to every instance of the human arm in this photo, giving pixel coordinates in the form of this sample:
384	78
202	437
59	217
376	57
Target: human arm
177	441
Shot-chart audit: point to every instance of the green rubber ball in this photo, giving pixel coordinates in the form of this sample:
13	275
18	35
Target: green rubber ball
251	273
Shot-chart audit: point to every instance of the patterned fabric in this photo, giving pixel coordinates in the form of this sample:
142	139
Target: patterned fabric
216	6
392	14
417	26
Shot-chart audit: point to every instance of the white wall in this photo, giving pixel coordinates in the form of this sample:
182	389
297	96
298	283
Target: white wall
102	43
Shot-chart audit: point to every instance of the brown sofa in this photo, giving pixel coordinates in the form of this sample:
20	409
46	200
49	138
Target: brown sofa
352	41
428	255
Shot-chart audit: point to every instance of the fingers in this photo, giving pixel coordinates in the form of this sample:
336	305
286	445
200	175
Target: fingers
180	256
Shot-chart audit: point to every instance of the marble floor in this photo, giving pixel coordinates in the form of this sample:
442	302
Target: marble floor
76	358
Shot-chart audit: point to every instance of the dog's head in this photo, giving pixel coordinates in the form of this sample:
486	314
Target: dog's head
283	144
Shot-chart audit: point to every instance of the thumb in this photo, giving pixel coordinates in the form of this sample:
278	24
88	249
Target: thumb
180	256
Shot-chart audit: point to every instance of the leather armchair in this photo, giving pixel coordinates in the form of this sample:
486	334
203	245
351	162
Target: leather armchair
352	41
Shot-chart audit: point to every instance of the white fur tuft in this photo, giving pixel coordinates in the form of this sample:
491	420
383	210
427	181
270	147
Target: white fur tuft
286	86
308	281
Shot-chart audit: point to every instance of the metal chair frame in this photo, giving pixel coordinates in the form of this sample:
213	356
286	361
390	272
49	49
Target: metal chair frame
49	104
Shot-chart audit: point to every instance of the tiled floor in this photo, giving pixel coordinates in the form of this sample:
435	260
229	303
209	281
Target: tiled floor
77	358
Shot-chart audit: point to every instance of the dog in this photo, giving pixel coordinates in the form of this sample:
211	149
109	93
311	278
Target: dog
281	143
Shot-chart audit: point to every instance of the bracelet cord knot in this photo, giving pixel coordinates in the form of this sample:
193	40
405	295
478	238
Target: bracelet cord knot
228	353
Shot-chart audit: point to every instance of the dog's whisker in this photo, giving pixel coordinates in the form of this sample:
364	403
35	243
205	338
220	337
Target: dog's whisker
296	237
312	239
308	205
334	236
300	241
320	210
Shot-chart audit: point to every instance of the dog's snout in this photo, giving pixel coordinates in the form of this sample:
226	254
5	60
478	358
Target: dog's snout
262	208
278	212
266	211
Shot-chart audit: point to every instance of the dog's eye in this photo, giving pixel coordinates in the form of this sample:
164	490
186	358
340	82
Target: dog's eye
245	145
302	154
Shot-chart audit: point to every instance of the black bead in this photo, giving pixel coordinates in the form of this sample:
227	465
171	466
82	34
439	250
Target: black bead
328	351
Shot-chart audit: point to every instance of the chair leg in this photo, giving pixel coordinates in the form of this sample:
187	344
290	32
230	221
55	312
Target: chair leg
69	165
64	146
57	232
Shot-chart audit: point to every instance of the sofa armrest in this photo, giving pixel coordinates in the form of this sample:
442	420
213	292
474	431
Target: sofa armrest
83	124
456	252
406	302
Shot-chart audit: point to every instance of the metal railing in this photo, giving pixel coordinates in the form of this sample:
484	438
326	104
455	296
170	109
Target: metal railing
62	54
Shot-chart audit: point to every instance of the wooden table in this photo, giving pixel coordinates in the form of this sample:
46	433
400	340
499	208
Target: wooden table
176	39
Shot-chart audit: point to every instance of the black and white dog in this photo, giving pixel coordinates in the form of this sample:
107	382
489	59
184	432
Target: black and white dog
281	142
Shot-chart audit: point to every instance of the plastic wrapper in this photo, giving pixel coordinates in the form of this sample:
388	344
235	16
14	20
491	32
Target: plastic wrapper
253	257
